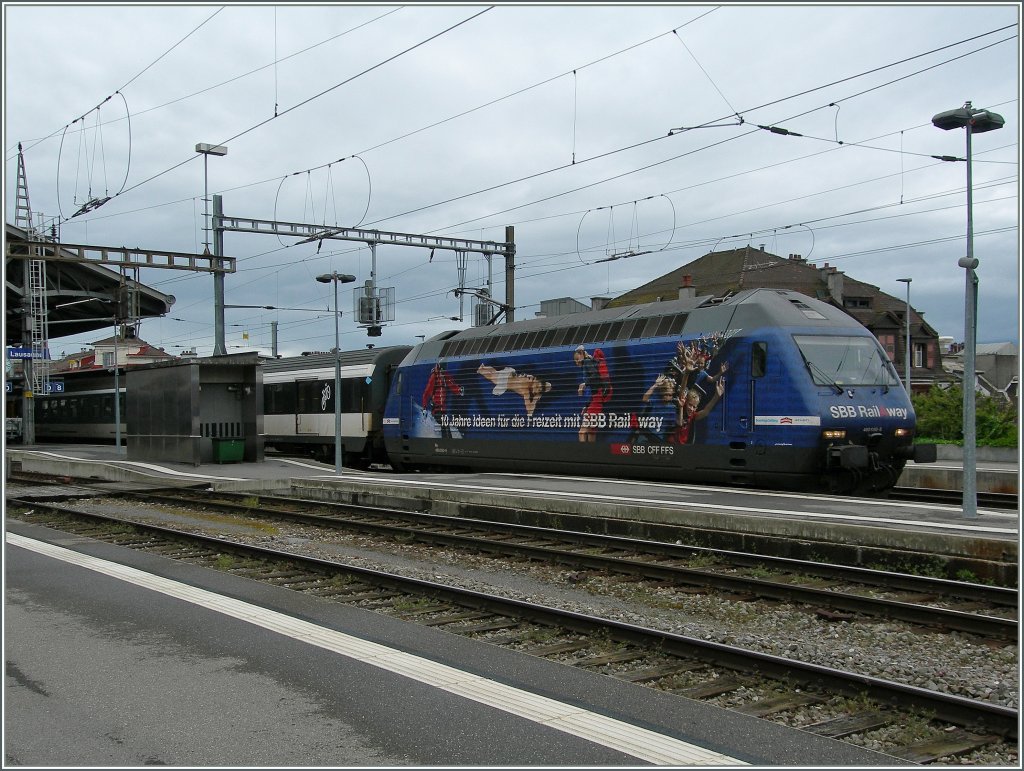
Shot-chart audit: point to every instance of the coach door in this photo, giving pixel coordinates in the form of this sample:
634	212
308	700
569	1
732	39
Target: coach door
310	394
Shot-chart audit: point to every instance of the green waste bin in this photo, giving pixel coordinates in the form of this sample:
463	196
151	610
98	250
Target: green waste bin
228	450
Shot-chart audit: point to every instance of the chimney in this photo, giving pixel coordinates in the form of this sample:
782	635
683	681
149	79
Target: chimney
833	279
599	303
687	290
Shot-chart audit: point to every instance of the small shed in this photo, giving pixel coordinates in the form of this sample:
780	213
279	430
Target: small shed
199	410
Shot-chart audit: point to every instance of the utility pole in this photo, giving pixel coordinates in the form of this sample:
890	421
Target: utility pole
510	274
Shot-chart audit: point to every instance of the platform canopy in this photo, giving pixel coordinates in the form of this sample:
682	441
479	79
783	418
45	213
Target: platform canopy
72	291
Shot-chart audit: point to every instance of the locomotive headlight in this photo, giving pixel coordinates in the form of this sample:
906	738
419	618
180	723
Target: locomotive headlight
903	433
834	433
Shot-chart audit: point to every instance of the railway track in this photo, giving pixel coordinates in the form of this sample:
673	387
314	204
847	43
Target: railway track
987	500
763	684
972	608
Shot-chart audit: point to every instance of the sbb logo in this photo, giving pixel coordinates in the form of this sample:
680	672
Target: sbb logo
621	449
843	411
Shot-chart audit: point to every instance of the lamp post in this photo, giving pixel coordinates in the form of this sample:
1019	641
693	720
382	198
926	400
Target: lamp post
906	361
218	278
336	278
976	122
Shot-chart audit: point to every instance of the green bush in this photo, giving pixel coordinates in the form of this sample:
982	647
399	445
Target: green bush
940	418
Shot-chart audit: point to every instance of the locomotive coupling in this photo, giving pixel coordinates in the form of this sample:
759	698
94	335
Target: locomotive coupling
849	456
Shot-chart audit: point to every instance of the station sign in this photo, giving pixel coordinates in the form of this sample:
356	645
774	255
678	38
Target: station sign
52	387
24	353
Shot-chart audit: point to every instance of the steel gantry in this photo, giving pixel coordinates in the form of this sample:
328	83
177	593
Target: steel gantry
372	306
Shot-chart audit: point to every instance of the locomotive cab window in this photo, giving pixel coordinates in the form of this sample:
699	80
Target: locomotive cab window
759	360
846	361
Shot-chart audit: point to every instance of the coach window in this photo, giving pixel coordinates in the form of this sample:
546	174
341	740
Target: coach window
533	339
678	322
759	360
548	339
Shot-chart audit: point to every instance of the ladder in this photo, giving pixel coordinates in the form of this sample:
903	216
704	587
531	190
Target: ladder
35	288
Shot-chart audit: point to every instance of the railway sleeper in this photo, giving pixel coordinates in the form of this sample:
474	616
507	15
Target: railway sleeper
712	688
488	626
657	673
470	615
847	725
612	658
778	704
556	649
959	742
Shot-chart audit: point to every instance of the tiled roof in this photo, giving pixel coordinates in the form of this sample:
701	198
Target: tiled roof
728	272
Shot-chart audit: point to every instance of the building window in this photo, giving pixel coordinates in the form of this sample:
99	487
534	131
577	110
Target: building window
856	302
888	342
920	355
108	359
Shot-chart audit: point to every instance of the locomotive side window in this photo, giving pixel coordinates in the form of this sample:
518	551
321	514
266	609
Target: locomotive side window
636	329
678	322
664	325
651	327
759	360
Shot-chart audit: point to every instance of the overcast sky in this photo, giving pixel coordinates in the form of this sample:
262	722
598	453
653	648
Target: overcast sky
460	120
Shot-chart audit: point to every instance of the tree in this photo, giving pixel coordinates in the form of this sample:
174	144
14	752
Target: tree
940	418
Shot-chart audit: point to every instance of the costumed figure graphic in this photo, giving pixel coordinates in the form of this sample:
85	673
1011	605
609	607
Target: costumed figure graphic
528	386
435	397
597	380
690	410
684	380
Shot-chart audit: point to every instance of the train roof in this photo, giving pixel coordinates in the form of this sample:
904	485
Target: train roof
348	358
688	316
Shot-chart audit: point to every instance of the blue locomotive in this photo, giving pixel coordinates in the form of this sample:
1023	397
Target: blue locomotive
766	388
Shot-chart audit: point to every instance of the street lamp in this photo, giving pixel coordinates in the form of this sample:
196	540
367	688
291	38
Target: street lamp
336	278
976	122
218	277
906	361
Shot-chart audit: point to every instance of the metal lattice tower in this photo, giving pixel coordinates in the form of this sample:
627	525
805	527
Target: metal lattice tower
35	288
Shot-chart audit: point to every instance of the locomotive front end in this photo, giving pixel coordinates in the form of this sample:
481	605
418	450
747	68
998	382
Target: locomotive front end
868	422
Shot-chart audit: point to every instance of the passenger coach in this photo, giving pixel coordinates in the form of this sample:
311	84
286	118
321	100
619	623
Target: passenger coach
298	403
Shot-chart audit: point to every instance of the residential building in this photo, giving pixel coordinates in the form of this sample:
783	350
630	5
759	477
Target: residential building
721	274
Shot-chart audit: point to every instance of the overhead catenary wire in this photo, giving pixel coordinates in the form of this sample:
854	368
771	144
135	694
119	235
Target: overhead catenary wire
315	96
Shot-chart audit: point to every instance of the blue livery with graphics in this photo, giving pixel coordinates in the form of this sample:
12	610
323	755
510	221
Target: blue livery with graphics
767	388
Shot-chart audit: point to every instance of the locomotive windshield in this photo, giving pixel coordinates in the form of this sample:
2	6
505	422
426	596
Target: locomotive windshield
846	361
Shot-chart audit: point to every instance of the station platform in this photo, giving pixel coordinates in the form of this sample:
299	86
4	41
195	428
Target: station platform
637	508
199	667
